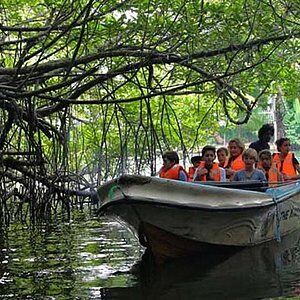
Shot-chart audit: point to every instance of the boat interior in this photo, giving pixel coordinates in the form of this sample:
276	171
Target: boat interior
257	186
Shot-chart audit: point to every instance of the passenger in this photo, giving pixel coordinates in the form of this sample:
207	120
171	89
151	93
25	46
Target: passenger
235	162
286	162
209	170
222	154
269	167
265	133
249	173
195	164
171	168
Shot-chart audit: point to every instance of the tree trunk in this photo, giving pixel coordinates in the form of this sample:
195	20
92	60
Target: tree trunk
279	114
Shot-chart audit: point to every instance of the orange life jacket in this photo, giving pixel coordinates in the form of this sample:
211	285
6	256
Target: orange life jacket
287	165
172	173
215	172
237	164
191	173
272	174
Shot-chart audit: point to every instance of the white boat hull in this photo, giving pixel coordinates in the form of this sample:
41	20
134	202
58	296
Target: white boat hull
155	208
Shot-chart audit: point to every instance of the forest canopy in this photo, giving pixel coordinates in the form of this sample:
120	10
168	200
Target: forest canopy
103	87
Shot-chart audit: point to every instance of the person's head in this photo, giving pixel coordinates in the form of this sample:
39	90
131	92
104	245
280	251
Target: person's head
266	132
170	158
283	145
249	157
196	160
265	158
222	154
235	147
208	154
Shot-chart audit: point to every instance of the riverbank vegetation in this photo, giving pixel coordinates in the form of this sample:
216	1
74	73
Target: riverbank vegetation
92	89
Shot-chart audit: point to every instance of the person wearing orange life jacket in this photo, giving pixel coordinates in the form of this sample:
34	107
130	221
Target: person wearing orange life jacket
267	165
249	173
222	154
235	162
286	161
195	164
209	170
171	168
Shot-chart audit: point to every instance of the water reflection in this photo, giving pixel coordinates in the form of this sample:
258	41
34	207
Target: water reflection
65	260
270	270
88	259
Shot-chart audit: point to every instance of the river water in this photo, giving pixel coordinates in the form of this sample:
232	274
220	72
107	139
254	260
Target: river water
89	258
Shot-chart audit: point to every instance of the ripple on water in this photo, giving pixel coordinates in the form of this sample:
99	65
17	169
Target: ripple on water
88	259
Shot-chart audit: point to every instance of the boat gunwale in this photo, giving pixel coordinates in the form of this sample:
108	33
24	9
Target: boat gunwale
268	199
129	179
148	201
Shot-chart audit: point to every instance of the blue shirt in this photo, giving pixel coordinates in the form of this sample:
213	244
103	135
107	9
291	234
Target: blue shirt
256	175
182	176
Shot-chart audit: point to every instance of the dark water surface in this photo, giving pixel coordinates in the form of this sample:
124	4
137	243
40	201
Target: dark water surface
92	259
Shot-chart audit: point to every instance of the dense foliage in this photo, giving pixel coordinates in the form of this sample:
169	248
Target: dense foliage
103	87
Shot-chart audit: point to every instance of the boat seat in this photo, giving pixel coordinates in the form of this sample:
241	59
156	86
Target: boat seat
258	186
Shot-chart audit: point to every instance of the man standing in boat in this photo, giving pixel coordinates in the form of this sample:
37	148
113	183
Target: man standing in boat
265	133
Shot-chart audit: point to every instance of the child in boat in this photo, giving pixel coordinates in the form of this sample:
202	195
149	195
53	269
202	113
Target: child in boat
222	154
171	168
195	164
249	173
285	160
209	170
267	165
235	162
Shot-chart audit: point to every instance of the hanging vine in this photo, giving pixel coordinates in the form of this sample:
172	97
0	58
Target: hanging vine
92	89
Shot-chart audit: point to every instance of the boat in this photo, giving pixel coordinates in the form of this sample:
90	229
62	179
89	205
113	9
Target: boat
174	218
